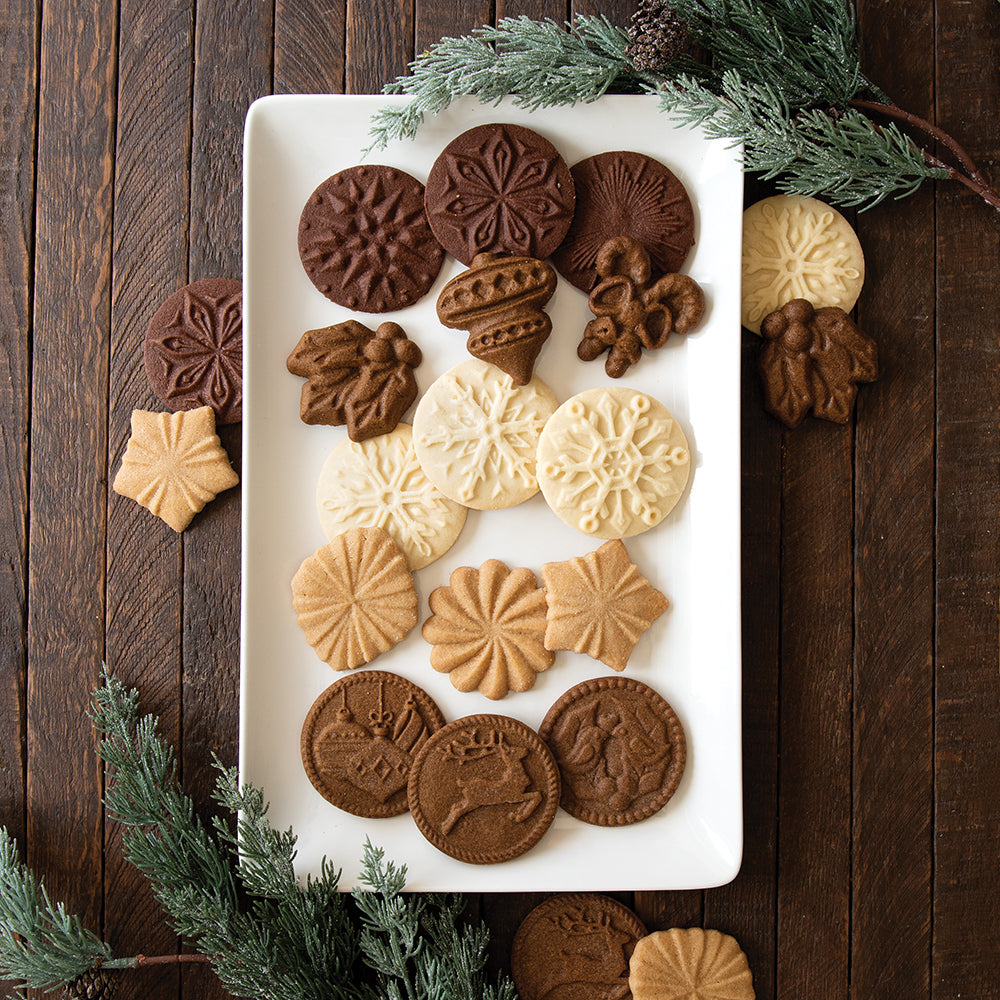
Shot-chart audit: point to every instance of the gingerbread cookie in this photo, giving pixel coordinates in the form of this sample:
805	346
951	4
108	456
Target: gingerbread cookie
360	737
691	962
499	188
364	239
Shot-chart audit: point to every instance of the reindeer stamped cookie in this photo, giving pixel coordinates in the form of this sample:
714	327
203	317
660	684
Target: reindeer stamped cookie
484	789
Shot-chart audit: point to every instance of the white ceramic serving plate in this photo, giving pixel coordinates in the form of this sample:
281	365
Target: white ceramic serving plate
691	655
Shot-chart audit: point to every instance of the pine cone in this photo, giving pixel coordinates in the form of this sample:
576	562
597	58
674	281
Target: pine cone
94	984
656	36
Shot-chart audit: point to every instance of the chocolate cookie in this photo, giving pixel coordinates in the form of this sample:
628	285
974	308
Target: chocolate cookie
620	749
625	194
575	945
193	350
484	789
360	737
500	189
364	239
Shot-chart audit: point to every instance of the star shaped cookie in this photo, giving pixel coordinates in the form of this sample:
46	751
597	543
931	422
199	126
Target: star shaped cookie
599	604
174	464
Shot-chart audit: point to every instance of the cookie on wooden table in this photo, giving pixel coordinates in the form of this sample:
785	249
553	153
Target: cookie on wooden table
694	963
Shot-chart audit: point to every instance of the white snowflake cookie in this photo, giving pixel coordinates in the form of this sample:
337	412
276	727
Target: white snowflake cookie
378	483
612	462
798	248
476	433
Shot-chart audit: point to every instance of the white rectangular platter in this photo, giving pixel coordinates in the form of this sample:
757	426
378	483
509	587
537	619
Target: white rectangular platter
691	655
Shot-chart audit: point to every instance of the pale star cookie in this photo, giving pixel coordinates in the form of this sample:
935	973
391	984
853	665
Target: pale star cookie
689	964
612	462
378	483
476	432
174	464
798	248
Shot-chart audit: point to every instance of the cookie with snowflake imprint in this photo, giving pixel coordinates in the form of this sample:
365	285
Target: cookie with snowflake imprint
691	962
378	483
476	433
798	248
612	462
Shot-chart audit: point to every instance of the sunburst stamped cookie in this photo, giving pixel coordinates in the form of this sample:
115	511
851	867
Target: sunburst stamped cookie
690	962
612	462
379	484
476	434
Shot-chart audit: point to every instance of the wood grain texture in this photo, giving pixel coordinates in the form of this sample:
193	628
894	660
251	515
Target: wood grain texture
309	39
379	43
436	19
558	10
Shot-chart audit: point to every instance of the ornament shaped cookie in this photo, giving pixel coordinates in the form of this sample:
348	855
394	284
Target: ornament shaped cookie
487	630
354	598
612	462
476	435
364	239
599	604
620	749
174	464
193	350
575	944
798	248
360	737
378	483
484	789
693	963
499	188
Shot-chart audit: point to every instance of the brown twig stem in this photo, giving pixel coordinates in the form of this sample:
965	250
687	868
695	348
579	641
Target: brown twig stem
985	192
140	961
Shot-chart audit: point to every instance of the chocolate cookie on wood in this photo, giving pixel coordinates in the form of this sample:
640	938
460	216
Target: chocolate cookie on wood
364	239
625	194
575	945
360	737
484	789
193	351
502	189
620	749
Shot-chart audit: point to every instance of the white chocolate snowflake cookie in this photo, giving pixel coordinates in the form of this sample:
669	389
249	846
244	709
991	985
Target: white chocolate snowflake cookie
798	248
476	432
612	462
378	483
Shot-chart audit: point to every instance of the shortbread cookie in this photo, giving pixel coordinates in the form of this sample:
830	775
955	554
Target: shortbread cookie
620	749
691	962
354	598
476	434
612	462
798	248
360	737
379	483
599	604
487	629
575	944
174	464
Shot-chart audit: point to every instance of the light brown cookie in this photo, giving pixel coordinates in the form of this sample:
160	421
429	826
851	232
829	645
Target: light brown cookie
693	963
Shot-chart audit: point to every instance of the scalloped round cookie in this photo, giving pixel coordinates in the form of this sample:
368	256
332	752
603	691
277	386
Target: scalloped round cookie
797	248
691	962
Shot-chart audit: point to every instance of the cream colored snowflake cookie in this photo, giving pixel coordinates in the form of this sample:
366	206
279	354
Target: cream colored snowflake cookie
378	483
612	462
476	432
798	248
689	964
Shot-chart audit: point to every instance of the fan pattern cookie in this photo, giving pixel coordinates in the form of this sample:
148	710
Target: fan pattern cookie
354	598
690	964
488	629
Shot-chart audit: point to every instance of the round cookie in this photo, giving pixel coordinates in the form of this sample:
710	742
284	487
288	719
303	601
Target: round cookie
797	248
193	350
612	462
577	944
360	737
499	188
484	789
364	239
379	483
691	962
476	433
624	193
620	749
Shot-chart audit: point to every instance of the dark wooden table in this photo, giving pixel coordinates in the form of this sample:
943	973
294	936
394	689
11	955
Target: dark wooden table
871	709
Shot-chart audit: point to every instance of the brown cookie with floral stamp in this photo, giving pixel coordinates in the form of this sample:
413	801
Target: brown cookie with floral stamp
484	789
193	350
360	737
364	239
575	945
620	749
502	189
